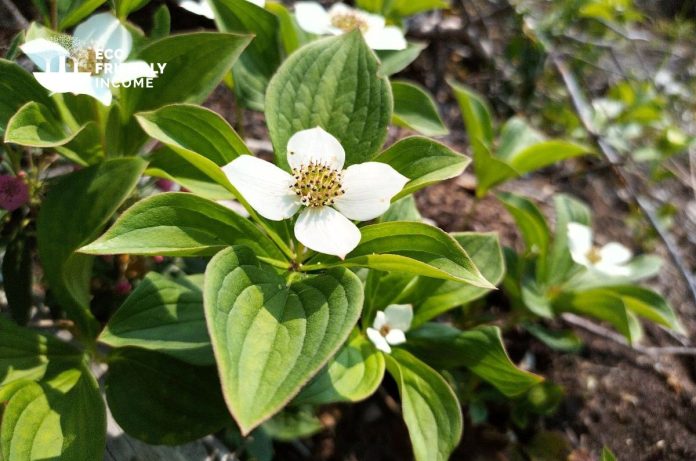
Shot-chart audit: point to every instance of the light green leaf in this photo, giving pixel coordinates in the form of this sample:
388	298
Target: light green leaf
477	117
269	339
530	222
196	129
562	341
34	125
26	354
414	248
63	419
161	400
516	135
546	153
481	350
18	87
180	224
74	211
423	161
70	12
292	424
403	209
432	297
260	60
331	83
430	408
163	316
161	22
489	170
394	61
126	7
414	108
196	63
607	455
406	8
352	375
291	34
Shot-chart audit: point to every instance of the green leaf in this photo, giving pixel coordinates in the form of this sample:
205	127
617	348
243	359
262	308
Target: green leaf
489	170
34	125
562	341
126	7
352	375
195	64
605	306
261	59
423	161
292	424
161	23
163	316
18	87
430	408
195	129
291	35
414	108
180	224
161	400
26	354
70	12
394	61
64	419
568	209
414	248
269	339
432	297
529	220
477	117
331	83
607	455
17	278
406	8
74	211
481	350
403	209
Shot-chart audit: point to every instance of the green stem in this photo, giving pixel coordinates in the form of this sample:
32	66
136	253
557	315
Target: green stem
54	15
275	263
315	267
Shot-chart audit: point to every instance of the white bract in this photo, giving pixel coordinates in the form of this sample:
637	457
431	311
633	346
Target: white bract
202	7
92	59
330	195
610	259
340	18
390	326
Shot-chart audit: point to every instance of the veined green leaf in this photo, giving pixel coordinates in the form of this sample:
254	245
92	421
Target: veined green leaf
74	211
480	349
331	83
423	161
163	316
161	400
269	339
414	108
414	248
394	61
430	408
180	224
477	116
352	375
18	87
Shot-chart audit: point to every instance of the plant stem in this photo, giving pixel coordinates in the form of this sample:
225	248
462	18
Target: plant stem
54	15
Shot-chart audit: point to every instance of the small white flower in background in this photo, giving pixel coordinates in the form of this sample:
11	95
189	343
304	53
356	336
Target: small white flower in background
340	18
92	58
331	195
610	259
390	326
202	7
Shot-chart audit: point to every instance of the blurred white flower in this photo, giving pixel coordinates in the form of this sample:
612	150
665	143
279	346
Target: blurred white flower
610	259
390	326
331	195
340	18
202	7
90	61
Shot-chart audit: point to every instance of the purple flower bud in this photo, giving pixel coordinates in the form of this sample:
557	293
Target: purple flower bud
166	185
122	287
14	192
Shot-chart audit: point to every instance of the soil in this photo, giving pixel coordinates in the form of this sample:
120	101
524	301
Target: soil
641	407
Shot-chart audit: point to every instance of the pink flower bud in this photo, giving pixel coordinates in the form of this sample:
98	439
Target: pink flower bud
158	259
122	287
14	192
166	185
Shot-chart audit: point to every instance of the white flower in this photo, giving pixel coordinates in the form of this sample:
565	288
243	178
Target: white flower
340	18
202	7
95	56
390	326
610	259
331	195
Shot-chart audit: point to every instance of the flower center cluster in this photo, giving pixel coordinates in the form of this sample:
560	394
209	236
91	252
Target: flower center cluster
349	21
593	255
317	184
384	331
87	60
